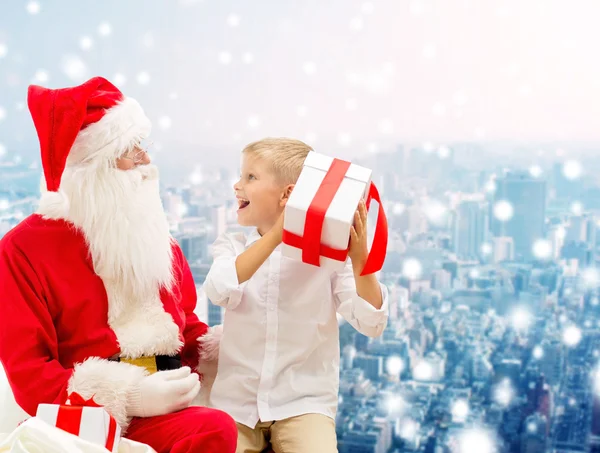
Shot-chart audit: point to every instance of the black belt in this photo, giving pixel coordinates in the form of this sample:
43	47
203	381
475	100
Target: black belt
152	363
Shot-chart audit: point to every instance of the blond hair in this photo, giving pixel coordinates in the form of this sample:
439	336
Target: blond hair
285	155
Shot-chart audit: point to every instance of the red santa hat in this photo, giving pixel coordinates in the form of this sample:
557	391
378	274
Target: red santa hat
92	122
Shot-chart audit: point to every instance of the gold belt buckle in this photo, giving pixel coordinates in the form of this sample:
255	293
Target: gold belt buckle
145	362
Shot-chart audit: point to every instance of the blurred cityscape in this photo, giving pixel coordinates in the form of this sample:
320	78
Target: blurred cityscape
493	340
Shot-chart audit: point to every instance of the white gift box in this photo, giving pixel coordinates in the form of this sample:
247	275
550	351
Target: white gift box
339	215
92	424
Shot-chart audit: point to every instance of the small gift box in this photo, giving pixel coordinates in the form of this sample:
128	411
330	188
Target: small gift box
320	212
83	418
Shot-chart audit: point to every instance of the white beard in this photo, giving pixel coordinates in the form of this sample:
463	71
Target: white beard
122	218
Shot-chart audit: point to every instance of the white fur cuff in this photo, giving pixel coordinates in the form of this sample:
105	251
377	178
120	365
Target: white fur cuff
209	343
108	383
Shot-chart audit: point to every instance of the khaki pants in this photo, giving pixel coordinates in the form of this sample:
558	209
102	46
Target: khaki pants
308	433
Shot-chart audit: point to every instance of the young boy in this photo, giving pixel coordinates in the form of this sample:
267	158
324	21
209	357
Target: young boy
278	368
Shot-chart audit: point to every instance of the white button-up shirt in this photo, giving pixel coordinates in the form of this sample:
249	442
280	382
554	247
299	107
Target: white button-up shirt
280	351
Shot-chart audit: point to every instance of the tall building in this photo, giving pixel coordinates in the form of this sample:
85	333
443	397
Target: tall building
527	197
470	227
503	249
534	437
582	228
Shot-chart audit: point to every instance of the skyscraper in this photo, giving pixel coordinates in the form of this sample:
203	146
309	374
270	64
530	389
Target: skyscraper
470	227
524	198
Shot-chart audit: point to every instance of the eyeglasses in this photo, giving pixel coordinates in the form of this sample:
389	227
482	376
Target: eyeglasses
137	154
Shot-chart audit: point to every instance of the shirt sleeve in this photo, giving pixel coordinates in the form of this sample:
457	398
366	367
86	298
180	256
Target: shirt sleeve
194	328
28	339
221	285
363	316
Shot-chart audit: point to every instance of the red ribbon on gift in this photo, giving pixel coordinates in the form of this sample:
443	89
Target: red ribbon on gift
310	241
69	417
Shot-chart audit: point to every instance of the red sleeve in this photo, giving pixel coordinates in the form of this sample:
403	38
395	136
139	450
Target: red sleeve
28	340
194	328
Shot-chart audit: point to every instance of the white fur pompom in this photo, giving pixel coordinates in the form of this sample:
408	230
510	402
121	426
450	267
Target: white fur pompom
54	205
210	341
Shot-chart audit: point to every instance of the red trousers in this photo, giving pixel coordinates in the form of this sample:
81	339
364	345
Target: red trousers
192	430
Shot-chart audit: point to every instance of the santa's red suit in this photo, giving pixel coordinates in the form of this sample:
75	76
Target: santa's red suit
94	280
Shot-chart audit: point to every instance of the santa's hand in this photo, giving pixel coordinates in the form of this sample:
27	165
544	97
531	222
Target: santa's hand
163	393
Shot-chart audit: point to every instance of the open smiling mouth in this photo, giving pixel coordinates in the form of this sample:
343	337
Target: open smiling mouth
242	203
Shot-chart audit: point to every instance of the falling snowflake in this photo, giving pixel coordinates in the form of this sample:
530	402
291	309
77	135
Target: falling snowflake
503	210
2	150
164	122
41	76
356	24
373	148
474	273
395	404
409	430
119	79
571	336
301	110
436	212
104	29
398	208
143	78
460	411
309	68
542	249
521	318
4	204
538	352
2	113
423	371
535	171
311	137
572	169
486	249
74	68
476	440
86	43
412	268
443	152
233	20
532	427
253	121
225	57
3	50
561	232
33	8
181	209
247	58
428	147
367	8
577	208
386	126
504	393
394	365
591	277
438	109
351	104
196	177
344	139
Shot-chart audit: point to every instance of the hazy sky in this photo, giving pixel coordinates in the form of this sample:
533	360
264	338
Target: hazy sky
338	73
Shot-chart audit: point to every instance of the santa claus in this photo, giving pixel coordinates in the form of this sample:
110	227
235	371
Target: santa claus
95	295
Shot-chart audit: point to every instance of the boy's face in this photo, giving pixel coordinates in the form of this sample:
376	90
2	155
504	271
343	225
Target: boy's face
259	194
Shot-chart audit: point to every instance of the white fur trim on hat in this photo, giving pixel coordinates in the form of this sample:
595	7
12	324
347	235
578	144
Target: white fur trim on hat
107	139
54	205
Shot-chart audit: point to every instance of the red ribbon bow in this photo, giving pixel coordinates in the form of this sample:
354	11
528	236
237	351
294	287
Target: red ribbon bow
69	417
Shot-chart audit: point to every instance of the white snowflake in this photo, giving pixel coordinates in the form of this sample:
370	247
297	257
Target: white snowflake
409	430
373	148
398	208
356	23
572	169
309	68
591	277
253	121
394	365
386	126
119	79
542	249
503	210
412	268
233	20
311	137
344	139
248	57
2	150
395	404
196	177
41	76
486	248
225	57
164	122
143	78
504	393
460	410
535	171
538	352
74	68
423	371
436	212
443	152
86	43
572	336
438	109
33	8
476	440
104	29
521	318
4	204
428	147
3	50
351	104
2	113
302	110
577	208
181	209
479	133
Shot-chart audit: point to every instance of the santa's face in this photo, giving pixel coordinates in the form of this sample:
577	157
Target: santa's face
121	215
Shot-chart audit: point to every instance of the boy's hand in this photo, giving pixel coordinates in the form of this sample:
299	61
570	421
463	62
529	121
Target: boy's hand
359	250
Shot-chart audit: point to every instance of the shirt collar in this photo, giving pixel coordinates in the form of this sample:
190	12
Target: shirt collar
252	237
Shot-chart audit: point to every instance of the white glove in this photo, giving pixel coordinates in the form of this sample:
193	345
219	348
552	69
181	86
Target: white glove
162	393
